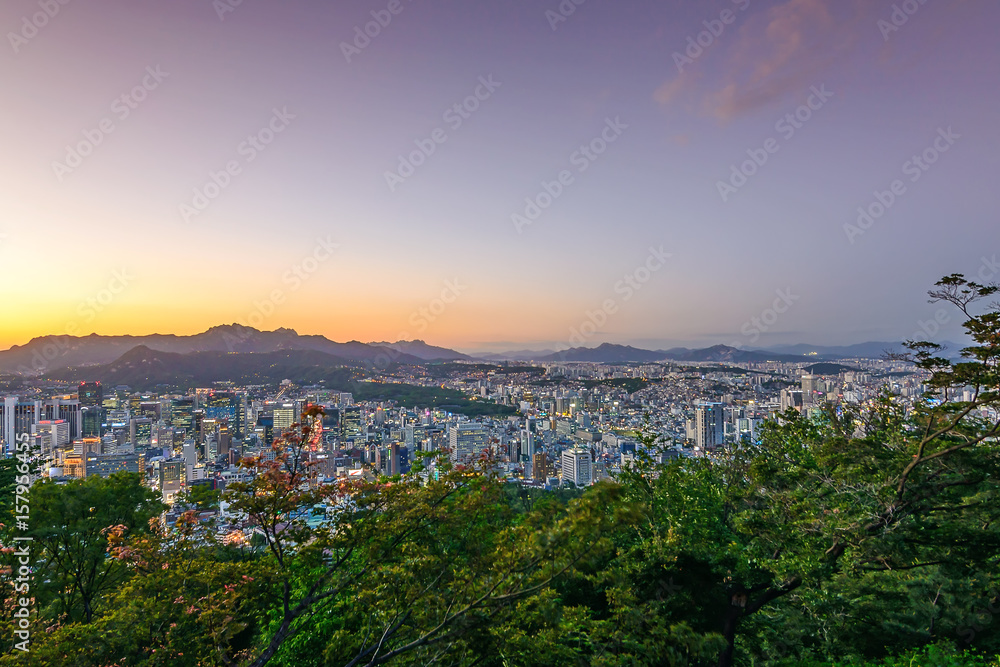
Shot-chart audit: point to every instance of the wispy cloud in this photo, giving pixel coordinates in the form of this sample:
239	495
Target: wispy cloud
776	53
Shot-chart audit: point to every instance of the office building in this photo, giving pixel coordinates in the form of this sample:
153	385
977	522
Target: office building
539	466
182	414
791	399
172	476
352	422
16	420
709	425
51	435
109	464
90	394
228	405
467	441
92	419
141	433
577	466
284	416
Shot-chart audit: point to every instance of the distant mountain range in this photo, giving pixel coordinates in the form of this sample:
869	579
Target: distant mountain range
46	354
421	350
872	350
610	353
52	352
142	368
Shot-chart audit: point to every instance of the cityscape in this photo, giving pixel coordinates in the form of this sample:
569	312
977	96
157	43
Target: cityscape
413	411
544	425
534	333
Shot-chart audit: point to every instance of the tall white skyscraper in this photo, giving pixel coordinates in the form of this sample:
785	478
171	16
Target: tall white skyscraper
7	423
577	466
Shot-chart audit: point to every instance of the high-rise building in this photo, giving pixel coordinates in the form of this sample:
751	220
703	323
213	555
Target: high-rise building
331	424
92	419
91	394
65	408
791	399
141	434
709	425
352	423
224	441
467	441
190	458
7	437
810	388
53	435
284	416
527	444
228	405
399	460
17	418
265	428
539	466
182	414
577	466
172	476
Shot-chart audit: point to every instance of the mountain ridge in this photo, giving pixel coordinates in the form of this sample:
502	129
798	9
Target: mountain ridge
45	353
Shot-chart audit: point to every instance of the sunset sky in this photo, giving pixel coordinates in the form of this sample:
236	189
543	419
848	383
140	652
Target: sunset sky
309	233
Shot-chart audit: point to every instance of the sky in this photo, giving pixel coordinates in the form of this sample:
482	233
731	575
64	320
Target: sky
497	175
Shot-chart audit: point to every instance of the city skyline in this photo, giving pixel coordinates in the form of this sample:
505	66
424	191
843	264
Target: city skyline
209	163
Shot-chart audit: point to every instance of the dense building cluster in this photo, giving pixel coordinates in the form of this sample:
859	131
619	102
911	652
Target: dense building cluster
571	423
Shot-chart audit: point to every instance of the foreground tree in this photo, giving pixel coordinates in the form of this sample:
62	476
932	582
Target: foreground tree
70	523
417	566
839	498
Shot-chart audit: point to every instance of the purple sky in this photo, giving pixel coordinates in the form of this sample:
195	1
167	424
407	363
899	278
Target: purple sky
437	255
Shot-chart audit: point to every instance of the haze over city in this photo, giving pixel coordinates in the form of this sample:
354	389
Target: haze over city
496	176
